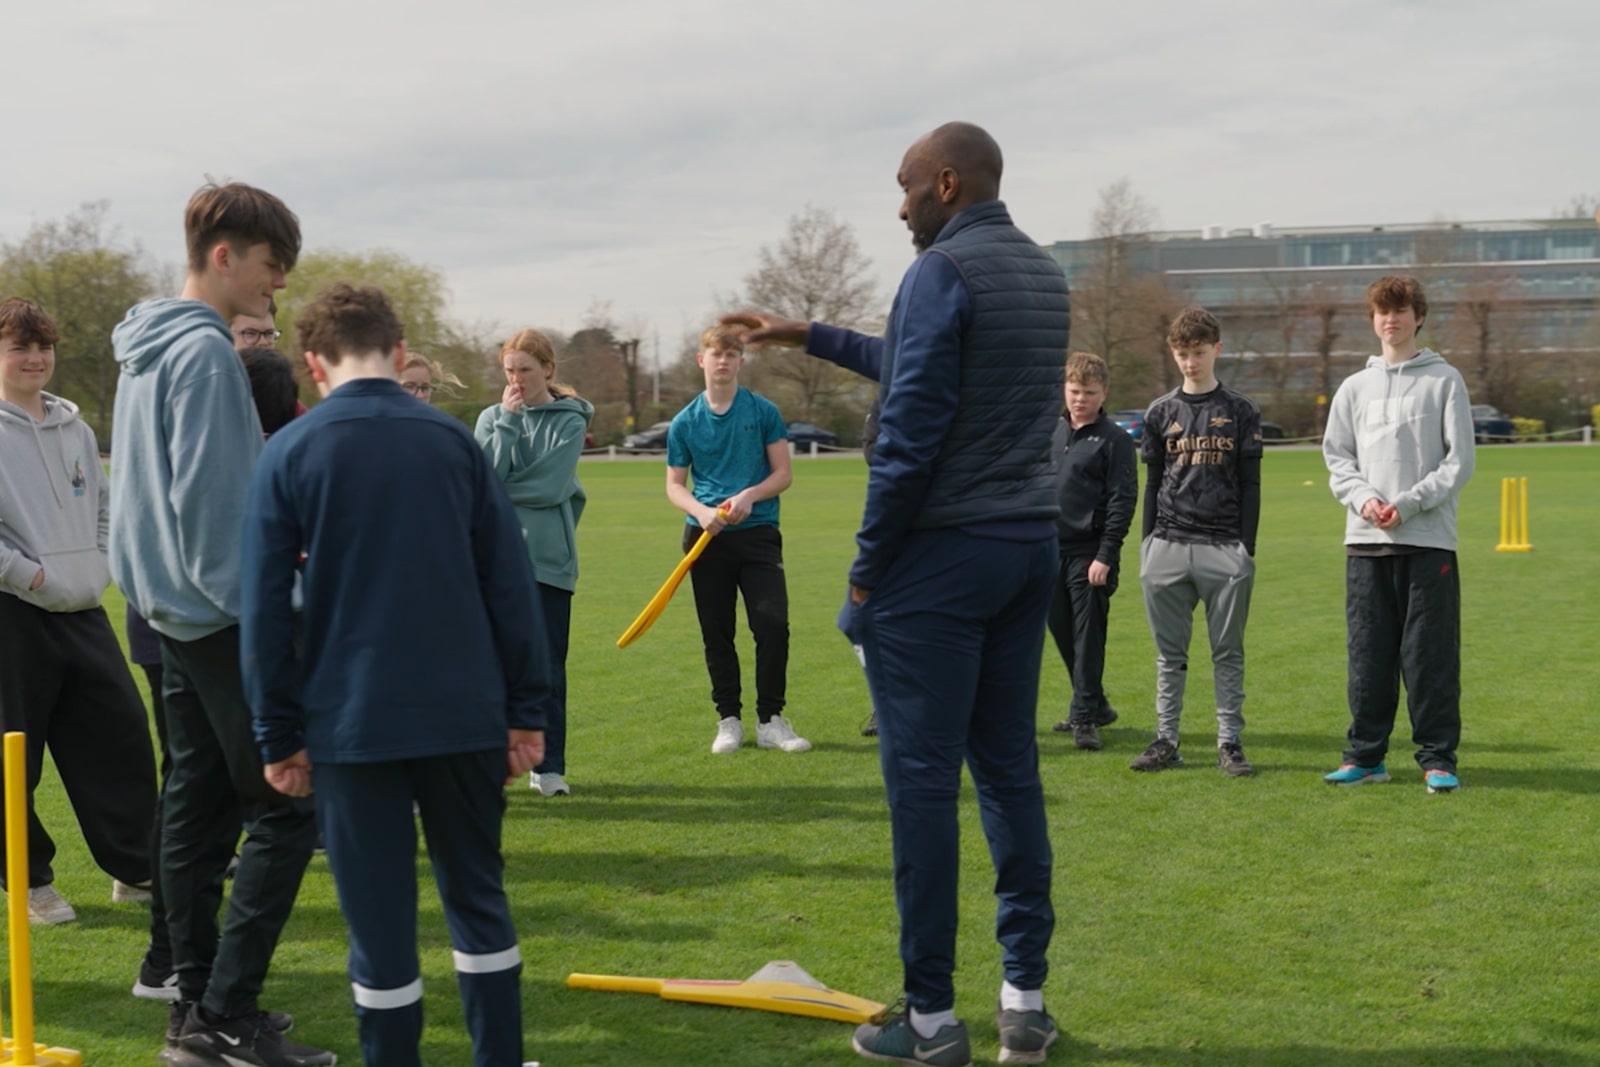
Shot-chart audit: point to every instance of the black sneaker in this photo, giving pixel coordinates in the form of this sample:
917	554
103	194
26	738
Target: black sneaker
253	1039
871	728
177	1015
1161	755
1230	757
1106	717
1025	1035
1086	735
154	983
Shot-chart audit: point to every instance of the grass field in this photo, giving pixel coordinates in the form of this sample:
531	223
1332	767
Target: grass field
1267	921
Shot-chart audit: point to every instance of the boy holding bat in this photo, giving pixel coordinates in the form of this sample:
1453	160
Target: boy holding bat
733	446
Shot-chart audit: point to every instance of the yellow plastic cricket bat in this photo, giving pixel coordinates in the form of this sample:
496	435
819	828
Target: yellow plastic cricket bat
658	603
781	986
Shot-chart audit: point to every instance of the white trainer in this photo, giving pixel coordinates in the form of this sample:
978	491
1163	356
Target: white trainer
46	907
777	733
127	893
730	735
551	785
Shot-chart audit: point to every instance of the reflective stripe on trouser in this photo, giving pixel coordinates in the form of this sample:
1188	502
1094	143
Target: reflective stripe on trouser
1175	577
953	636
371	835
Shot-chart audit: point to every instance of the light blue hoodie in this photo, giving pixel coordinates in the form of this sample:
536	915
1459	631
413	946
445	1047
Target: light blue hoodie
184	440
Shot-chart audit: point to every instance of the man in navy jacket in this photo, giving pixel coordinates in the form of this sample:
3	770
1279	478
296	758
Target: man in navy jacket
422	677
951	584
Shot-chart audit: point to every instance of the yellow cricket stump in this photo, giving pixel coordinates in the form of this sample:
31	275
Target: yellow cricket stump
1514	516
20	1048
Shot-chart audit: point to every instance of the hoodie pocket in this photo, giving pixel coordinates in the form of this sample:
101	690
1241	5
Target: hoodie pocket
73	581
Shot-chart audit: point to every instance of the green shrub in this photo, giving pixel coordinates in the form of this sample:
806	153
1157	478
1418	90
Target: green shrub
1527	429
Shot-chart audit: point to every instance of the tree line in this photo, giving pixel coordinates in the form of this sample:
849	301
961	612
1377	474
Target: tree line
1290	344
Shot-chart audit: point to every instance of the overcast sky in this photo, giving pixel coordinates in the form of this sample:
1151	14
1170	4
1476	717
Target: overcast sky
548	155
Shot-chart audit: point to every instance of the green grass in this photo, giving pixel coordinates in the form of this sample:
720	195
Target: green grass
1202	920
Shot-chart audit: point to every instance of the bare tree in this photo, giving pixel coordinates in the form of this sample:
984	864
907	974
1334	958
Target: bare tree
1120	307
816	273
1486	331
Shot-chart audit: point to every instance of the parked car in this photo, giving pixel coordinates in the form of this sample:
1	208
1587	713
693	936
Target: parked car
1271	433
1131	420
803	435
652	440
1490	424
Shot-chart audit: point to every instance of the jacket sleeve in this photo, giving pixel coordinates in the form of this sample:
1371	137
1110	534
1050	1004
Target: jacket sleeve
1460	456
506	583
214	438
919	403
549	477
1122	483
1350	487
270	553
847	348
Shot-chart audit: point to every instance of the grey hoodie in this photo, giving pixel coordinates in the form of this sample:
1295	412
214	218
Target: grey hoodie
53	508
1401	433
184	441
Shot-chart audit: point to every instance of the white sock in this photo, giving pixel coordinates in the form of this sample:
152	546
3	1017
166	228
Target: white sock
1014	999
932	1023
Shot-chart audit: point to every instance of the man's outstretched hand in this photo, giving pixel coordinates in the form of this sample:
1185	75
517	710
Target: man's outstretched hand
764	329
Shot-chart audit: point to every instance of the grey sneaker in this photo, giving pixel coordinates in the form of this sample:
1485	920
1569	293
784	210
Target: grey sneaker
894	1041
1086	735
1230	757
777	733
1025	1035
550	785
127	893
871	728
46	907
1161	755
730	735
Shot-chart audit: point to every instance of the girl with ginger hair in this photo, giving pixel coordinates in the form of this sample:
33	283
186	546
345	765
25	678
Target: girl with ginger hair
534	437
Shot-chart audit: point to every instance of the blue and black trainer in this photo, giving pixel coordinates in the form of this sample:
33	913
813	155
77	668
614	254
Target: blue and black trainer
1440	780
1350	774
894	1041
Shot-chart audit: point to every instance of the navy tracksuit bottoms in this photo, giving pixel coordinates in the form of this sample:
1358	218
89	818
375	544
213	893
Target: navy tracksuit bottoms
370	831
953	638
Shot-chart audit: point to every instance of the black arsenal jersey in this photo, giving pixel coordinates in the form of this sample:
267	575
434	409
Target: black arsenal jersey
1197	447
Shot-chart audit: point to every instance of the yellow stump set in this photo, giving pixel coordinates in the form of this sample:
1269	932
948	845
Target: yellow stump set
19	1047
1514	516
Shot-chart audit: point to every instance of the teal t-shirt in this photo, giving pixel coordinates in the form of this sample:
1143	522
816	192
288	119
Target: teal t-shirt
727	453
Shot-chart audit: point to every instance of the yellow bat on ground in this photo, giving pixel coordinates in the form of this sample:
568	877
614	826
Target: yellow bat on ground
781	986
658	603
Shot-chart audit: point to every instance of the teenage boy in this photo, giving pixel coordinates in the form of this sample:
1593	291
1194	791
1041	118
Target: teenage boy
1097	486
734	446
1202	502
186	438
1399	448
356	712
63	680
255	330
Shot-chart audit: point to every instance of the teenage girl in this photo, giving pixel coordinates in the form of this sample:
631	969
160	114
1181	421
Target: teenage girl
534	437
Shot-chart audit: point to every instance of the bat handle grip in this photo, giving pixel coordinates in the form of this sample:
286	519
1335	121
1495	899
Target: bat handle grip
614	983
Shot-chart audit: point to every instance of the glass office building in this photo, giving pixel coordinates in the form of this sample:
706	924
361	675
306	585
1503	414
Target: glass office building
1542	276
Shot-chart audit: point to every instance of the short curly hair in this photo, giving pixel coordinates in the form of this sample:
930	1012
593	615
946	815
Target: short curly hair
348	320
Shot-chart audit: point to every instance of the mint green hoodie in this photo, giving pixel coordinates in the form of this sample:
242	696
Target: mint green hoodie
535	451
